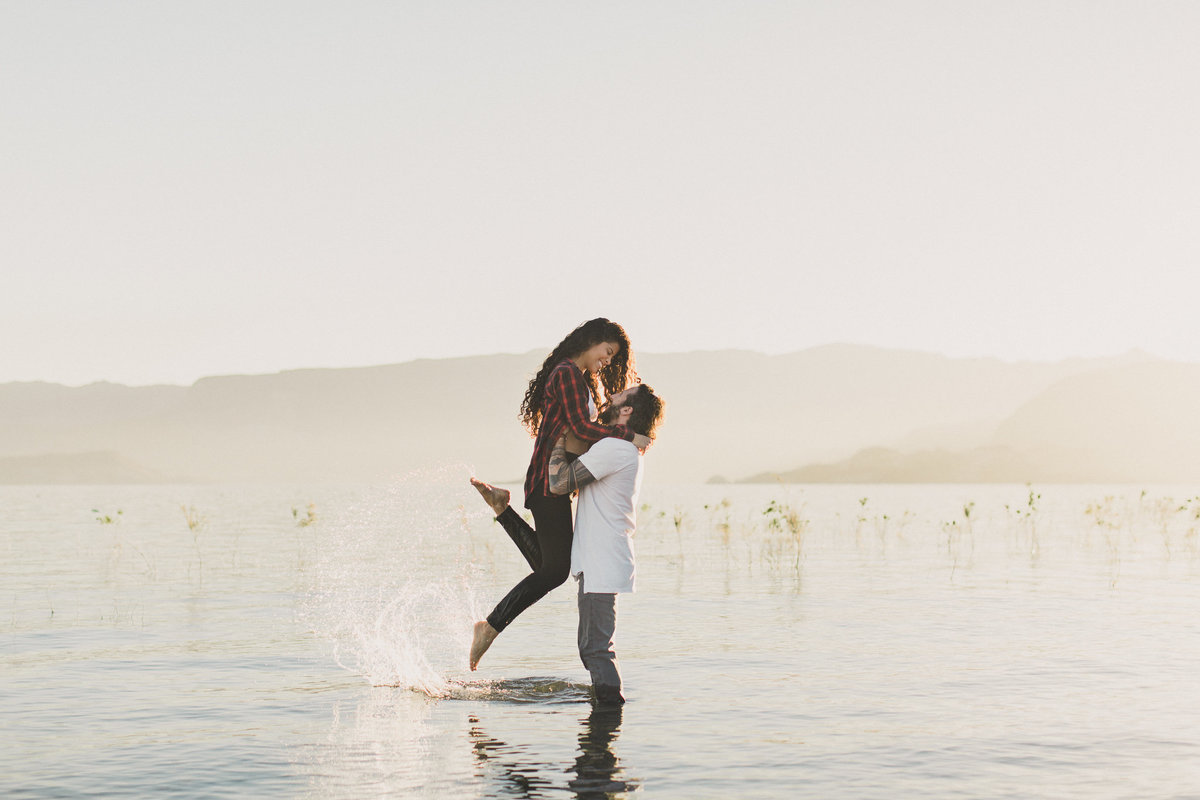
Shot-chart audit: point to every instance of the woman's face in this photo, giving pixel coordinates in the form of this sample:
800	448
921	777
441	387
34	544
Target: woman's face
598	356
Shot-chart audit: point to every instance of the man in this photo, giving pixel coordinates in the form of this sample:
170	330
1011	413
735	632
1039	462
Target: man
608	478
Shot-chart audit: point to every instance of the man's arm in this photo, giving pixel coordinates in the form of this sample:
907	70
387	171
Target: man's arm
565	475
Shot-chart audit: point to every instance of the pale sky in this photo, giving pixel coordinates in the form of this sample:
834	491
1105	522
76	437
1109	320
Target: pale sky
201	188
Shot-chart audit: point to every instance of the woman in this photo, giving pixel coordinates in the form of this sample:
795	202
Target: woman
561	398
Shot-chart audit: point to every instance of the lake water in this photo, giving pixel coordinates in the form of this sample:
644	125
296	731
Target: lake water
817	641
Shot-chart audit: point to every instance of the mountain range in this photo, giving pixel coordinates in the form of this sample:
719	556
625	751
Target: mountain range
837	413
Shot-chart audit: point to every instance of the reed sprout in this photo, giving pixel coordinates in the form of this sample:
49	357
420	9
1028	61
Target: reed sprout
195	523
309	517
194	519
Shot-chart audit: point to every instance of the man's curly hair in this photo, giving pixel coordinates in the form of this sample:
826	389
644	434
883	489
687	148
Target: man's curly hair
647	410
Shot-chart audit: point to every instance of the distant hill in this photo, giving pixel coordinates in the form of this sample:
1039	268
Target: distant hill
736	413
97	468
1143	418
1134	422
976	465
731	413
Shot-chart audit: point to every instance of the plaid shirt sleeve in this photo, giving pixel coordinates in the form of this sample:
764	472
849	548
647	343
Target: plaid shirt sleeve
572	392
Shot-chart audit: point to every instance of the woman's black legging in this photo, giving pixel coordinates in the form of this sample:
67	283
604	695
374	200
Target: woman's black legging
547	548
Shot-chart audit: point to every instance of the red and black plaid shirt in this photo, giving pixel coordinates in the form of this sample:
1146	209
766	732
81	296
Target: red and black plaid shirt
565	405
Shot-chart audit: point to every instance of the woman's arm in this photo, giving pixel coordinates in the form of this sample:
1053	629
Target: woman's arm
572	391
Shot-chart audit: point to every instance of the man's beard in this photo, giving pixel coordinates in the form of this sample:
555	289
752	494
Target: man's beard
608	415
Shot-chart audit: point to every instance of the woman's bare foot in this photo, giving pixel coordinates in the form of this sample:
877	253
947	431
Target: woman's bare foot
485	634
496	498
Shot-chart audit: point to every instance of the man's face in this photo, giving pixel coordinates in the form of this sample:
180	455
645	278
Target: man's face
609	415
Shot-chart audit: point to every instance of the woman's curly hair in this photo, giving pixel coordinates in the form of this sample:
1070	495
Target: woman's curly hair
616	377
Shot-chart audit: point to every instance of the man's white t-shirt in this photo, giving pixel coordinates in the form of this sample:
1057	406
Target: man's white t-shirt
605	517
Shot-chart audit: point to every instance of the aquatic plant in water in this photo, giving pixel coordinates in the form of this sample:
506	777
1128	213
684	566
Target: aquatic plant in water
310	515
783	518
1028	514
107	519
194	519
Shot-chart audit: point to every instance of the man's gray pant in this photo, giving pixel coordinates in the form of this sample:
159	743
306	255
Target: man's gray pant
597	624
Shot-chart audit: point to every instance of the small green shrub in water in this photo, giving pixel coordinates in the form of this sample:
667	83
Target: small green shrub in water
107	519
195	520
781	517
310	515
723	523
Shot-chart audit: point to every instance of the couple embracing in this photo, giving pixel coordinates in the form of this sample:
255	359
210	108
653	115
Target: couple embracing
591	443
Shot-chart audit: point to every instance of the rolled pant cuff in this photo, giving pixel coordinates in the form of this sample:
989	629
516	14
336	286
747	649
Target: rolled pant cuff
605	695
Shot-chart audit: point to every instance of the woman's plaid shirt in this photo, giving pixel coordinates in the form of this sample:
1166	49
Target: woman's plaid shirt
565	405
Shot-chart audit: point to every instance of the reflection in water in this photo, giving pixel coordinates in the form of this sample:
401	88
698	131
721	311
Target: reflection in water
517	778
382	744
596	772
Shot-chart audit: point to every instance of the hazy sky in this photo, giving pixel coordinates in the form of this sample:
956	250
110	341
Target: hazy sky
204	188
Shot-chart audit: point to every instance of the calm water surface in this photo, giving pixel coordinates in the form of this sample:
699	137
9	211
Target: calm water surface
873	642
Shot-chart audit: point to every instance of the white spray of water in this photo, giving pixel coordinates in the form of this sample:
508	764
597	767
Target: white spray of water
391	582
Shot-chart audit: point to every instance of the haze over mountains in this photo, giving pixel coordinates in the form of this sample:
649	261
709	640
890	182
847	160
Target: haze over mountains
834	413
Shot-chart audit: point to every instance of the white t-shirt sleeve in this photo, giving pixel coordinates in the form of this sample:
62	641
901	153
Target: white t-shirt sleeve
606	457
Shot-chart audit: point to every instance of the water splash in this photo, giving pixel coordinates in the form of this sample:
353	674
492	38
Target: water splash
381	590
517	690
